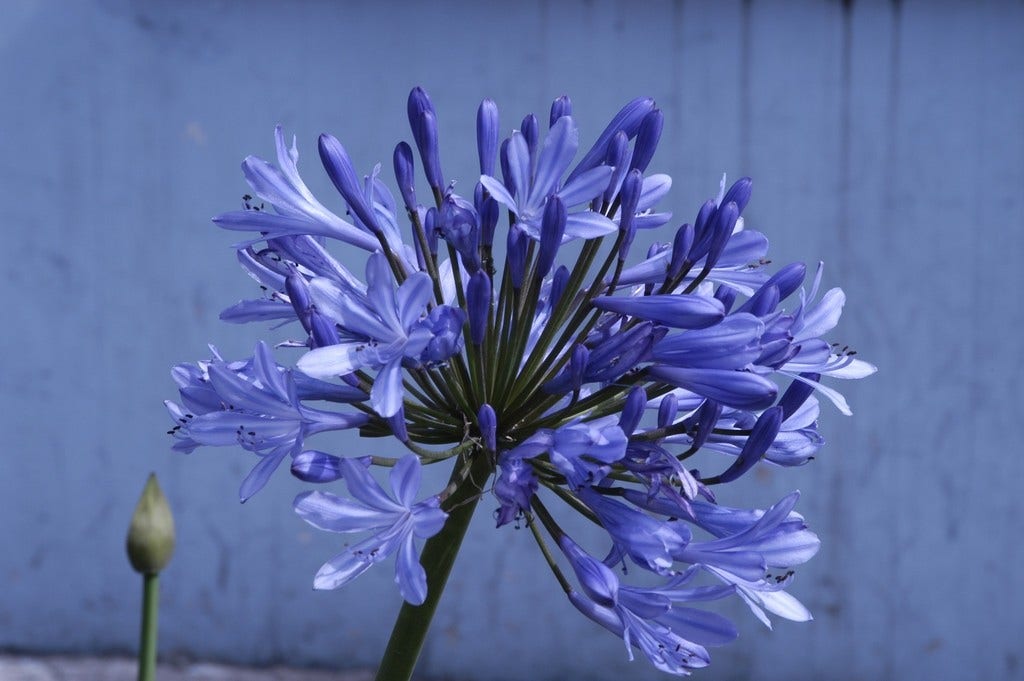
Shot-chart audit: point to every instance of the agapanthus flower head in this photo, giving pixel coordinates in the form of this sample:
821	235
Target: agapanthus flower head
628	383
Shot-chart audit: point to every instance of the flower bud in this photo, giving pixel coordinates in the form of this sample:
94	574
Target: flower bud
430	227
667	410
298	294
531	133
723	226
516	255
559	280
726	295
702	231
487	135
681	245
342	173
633	410
560	107
632	185
703	422
647	140
763	302
316	466
488	421
552	228
151	533
739	193
762	435
489	210
618	158
628	120
506	168
423	121
404	167
788	279
478	304
323	330
578	366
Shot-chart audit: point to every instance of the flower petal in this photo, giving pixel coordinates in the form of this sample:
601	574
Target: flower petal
332	513
519	167
334	360
260	473
405	479
684	311
739	389
588	225
497	190
410	576
340	306
387	393
380	289
354	561
824	316
586	187
364	487
555	156
700	626
412	298
654	189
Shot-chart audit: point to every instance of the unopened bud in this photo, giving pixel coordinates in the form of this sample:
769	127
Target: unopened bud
151	533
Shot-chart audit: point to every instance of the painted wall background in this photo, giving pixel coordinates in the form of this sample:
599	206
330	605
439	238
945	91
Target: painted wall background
884	137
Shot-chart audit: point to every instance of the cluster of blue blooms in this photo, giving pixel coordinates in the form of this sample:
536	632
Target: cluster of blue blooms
596	385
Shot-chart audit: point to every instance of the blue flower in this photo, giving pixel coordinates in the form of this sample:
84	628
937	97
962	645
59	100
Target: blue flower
298	211
581	451
515	486
396	521
630	383
528	192
257	405
672	637
382	331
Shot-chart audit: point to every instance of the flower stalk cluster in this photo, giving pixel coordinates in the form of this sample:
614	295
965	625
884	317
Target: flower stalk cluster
549	362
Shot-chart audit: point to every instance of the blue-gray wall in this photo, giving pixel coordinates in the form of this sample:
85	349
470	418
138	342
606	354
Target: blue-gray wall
886	138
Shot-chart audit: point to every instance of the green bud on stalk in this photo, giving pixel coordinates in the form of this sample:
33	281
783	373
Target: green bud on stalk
151	534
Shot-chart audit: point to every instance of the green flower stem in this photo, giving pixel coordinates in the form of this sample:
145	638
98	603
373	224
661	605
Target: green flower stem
437	559
147	646
557	571
428	258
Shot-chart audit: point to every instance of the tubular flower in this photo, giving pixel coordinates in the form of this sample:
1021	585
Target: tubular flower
629	386
396	520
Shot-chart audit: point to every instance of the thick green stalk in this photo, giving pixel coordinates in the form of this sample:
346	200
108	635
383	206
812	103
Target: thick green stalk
437	559
147	646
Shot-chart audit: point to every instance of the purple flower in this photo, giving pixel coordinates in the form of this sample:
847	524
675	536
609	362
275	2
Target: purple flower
395	521
582	376
298	212
379	333
580	451
672	637
529	191
256	405
515	486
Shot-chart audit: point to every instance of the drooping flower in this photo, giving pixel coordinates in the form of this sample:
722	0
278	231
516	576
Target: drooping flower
672	637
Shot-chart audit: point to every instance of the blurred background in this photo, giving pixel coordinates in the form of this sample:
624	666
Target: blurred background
885	138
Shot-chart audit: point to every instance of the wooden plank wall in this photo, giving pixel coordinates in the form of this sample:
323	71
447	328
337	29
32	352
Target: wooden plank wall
884	137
